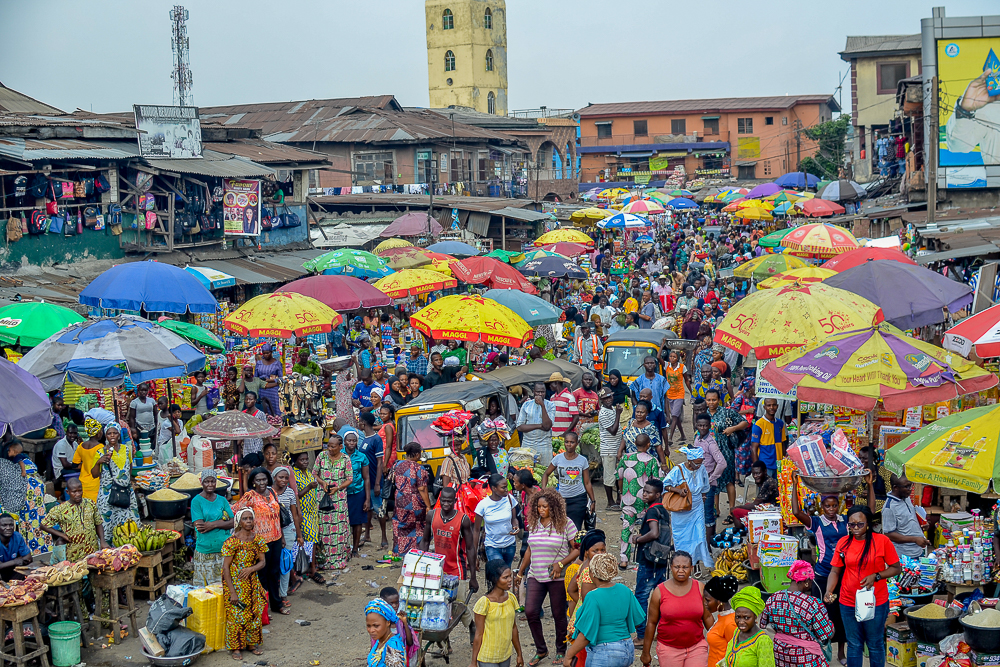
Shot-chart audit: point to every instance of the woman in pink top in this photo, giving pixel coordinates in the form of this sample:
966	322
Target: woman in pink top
678	617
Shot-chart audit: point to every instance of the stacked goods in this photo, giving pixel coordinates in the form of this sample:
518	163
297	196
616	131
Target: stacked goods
729	538
19	593
115	560
428	603
176	467
60	574
967	557
151	480
732	561
143	538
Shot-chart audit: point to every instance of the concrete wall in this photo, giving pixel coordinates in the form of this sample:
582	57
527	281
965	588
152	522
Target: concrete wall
279	237
874	108
469	41
49	249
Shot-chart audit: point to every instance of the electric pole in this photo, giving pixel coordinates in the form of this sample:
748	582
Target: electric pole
932	156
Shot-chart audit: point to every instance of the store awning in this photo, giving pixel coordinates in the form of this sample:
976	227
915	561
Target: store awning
211	278
709	117
635	154
522	214
245	275
955	253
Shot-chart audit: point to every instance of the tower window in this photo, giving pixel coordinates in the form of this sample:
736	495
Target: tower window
449	61
489	60
488	19
447	20
491	103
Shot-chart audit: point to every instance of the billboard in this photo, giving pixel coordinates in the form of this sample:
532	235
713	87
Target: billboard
968	109
241	207
168	132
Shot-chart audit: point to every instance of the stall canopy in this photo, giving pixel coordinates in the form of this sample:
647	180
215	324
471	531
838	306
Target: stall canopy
345	235
211	278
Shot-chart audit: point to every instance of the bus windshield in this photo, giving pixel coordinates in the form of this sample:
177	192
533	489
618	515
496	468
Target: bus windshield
628	360
417	428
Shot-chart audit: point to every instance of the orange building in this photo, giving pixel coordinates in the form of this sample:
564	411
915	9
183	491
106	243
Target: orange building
746	137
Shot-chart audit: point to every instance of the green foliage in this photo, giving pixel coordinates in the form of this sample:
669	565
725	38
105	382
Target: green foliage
829	157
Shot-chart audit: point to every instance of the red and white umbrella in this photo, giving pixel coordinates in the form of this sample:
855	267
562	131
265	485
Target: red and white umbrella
981	331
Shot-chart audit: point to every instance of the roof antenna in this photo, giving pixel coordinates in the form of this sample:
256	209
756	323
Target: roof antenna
180	46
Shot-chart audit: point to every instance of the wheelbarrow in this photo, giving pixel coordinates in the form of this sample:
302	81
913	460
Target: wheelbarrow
428	638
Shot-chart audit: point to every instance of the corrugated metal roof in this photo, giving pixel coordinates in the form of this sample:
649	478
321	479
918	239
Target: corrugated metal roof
706	105
971	251
419	202
291	261
67	149
17	102
214	163
239	269
522	214
858	44
274	117
268	152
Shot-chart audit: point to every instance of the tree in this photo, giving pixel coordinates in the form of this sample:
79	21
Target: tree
829	157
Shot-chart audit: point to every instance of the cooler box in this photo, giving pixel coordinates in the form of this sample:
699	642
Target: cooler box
301	438
773	579
423	570
777	551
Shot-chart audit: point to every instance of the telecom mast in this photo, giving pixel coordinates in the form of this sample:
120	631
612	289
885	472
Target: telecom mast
182	63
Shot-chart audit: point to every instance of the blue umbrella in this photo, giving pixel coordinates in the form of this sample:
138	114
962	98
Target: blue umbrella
680	203
532	309
24	406
797	179
623	221
645	239
154	286
456	248
100	353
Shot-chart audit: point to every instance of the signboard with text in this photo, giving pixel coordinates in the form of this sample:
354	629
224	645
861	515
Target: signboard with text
241	207
168	132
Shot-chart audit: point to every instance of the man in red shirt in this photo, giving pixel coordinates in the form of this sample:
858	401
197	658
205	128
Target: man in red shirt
567	413
451	532
588	404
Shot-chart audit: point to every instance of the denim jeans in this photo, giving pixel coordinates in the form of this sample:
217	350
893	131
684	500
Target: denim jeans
611	654
646	579
869	633
506	554
710	516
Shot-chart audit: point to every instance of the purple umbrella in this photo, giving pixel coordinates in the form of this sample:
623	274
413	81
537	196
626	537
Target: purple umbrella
764	190
24	405
412	224
909	295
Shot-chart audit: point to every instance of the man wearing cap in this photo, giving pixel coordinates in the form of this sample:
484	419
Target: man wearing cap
664	292
567	413
534	423
604	311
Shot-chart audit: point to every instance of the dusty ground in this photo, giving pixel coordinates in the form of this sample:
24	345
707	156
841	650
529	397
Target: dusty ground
336	635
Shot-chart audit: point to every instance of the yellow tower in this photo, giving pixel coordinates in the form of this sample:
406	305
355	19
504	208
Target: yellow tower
467	54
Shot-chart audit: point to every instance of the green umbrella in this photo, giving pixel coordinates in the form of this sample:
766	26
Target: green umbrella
773	240
538	254
194	333
508	256
28	323
348	262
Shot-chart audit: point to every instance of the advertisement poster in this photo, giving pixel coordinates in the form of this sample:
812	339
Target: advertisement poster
168	132
969	109
241	207
764	389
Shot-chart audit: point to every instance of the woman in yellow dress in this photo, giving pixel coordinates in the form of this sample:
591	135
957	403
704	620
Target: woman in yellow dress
244	557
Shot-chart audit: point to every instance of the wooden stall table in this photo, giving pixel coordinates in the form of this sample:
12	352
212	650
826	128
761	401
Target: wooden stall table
16	616
151	565
111	583
67	599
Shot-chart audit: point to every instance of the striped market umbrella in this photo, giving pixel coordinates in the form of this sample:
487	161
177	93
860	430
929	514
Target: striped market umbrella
282	315
643	206
820	239
843	190
620	221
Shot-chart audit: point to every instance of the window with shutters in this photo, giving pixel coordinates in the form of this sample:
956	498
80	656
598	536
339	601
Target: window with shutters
447	20
449	61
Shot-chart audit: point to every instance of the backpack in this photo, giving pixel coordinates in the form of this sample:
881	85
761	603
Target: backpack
266	220
39	187
101	184
38	223
659	551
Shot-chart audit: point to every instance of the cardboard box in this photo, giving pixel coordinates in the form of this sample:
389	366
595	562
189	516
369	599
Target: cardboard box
899	632
901	654
301	438
762	523
984	659
777	550
423	570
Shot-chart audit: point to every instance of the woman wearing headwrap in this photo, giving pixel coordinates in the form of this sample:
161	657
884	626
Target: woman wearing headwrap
605	620
334	473
22	493
618	387
688	527
751	646
267	523
213	520
115	471
702	358
270	370
388	649
86	455
718	592
243	558
829	528
802	627
692	322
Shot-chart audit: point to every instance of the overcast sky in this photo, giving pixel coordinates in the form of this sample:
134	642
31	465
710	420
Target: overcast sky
106	55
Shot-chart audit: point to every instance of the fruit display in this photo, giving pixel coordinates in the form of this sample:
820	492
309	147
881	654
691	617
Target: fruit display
17	593
732	561
143	538
60	574
115	560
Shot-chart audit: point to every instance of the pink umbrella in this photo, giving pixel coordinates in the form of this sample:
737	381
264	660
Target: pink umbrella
497	274
413	223
342	293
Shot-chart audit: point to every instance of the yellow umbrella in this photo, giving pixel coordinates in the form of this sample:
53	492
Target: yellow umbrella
612	193
809	274
472	318
557	235
770	322
391	243
410	282
766	266
282	315
442	266
753	213
590	214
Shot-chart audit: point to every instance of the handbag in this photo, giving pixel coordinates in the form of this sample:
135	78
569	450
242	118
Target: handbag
120	496
284	514
301	562
675	502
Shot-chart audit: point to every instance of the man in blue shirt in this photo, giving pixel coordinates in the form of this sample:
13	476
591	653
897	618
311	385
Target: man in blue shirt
14	551
417	362
362	396
768	437
651	380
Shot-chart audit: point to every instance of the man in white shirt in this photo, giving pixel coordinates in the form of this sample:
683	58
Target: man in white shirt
609	429
534	423
604	311
62	452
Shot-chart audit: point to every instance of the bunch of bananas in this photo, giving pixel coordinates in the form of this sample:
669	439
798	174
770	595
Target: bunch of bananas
731	561
143	538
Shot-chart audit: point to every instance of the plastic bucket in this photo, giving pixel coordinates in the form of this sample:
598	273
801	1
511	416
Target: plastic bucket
774	579
64	637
